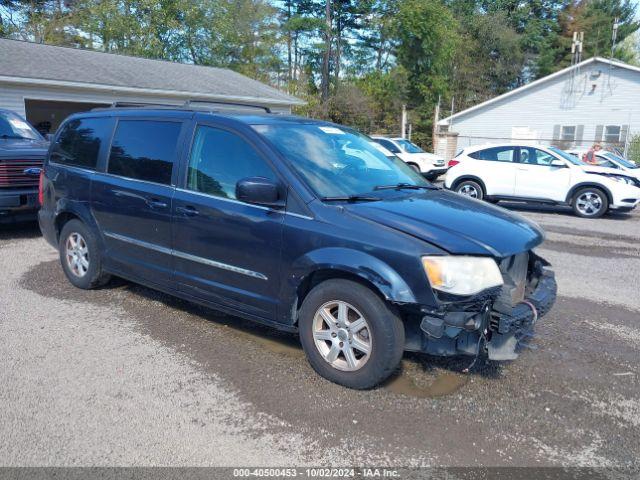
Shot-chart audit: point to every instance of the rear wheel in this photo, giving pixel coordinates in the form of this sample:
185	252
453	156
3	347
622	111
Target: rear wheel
469	188
350	335
80	256
590	202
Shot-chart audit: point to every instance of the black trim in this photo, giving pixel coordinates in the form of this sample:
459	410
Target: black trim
525	200
575	188
472	178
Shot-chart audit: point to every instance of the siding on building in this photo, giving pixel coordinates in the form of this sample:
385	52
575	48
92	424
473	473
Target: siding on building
594	97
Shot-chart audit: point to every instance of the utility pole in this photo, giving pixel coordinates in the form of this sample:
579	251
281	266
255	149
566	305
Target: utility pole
327	52
614	38
403	122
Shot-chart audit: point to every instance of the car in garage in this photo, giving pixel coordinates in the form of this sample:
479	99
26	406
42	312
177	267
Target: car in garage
428	164
22	152
541	174
295	223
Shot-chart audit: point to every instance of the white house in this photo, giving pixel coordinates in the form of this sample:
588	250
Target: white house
597	100
46	83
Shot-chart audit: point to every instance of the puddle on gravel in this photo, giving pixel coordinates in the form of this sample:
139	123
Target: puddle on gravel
444	384
279	343
39	279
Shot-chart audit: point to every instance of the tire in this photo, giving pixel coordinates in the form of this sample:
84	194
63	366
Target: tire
590	202
80	256
432	178
415	167
382	334
470	188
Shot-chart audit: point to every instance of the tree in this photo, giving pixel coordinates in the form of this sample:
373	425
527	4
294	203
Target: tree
426	32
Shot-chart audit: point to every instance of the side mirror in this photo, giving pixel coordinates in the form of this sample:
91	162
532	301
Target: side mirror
558	163
259	191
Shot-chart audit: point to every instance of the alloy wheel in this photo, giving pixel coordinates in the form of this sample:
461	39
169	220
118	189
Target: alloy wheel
77	254
342	335
468	190
589	203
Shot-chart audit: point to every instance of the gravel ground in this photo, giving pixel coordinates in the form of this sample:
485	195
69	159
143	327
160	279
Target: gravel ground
128	376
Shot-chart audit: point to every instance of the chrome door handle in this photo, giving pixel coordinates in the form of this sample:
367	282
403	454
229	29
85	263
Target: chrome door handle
155	203
189	211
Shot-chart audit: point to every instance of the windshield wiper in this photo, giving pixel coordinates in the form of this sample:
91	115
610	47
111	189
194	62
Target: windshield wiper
351	198
406	186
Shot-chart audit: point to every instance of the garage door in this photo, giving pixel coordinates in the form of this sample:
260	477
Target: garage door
47	115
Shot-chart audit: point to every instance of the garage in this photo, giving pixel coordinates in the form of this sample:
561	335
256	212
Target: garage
45	83
46	115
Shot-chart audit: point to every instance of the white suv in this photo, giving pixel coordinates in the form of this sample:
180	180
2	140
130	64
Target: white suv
535	173
431	166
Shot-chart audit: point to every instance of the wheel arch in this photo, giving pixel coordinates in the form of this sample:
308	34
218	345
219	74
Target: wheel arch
334	263
69	210
412	163
473	178
581	185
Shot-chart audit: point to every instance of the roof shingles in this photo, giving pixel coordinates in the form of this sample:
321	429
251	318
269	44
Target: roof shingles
47	62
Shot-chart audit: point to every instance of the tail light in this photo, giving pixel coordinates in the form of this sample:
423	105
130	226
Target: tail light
453	162
41	188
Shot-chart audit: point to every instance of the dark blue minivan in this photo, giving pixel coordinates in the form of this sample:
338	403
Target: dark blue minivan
299	224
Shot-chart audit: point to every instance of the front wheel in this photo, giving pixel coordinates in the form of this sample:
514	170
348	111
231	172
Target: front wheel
350	335
590	202
415	167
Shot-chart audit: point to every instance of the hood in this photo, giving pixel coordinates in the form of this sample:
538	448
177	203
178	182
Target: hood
601	170
454	223
595	169
14	148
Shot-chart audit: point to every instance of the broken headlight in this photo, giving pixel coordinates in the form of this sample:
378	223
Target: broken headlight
462	275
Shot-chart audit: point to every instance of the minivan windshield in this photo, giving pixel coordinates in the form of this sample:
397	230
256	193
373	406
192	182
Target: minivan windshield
409	147
12	126
337	161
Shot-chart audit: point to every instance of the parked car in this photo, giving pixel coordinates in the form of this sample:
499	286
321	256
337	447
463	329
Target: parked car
608	159
269	218
21	148
428	164
536	173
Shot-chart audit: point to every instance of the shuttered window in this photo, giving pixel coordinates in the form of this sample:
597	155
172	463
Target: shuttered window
612	133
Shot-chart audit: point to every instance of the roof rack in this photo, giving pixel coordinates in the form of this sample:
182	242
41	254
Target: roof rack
142	105
187	105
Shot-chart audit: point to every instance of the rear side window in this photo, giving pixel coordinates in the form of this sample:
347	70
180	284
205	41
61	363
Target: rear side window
496	154
219	159
79	142
144	150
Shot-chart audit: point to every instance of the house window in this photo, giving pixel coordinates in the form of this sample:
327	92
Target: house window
612	133
568	133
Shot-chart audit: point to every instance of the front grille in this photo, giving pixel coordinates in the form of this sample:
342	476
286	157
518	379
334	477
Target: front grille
12	173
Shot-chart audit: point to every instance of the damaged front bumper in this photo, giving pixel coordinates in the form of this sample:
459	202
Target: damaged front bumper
494	321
